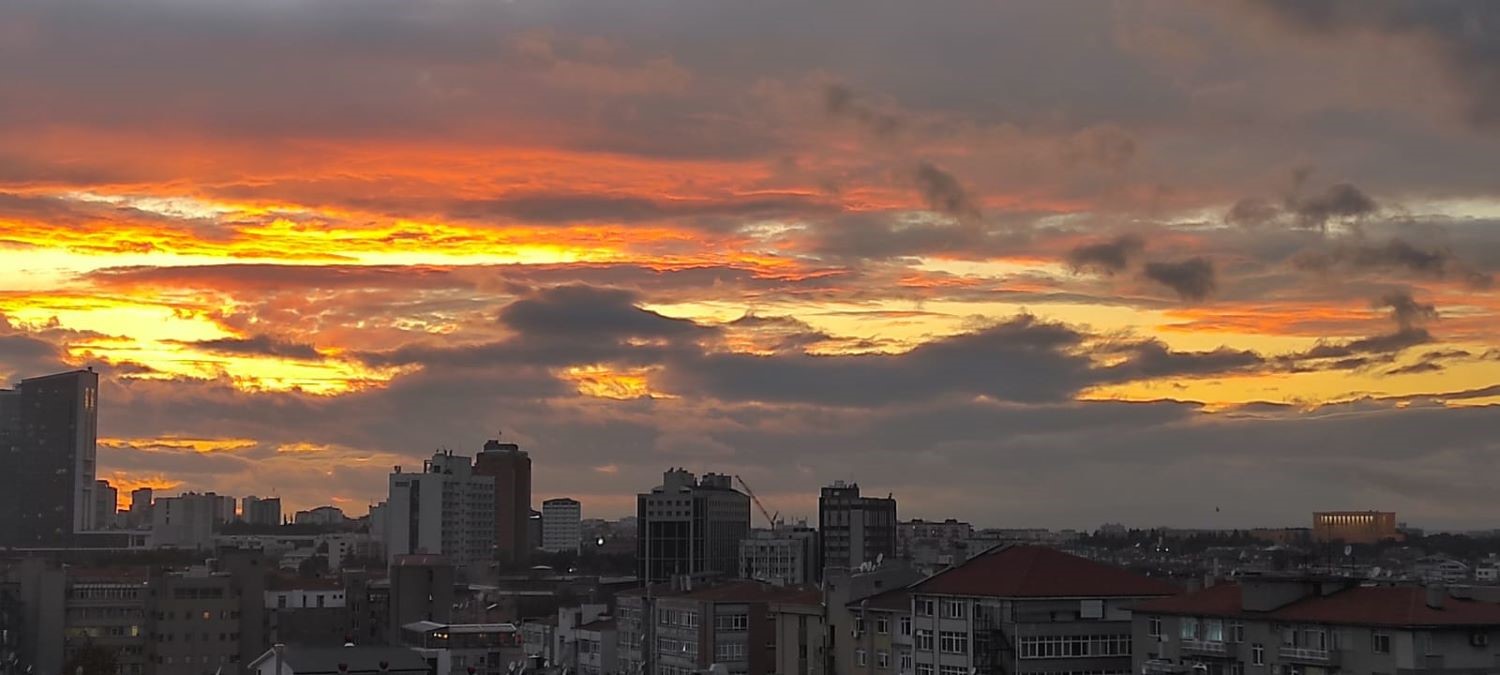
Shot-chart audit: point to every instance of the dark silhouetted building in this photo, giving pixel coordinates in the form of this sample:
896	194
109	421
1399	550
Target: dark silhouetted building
510	468
421	590
48	432
855	530
690	526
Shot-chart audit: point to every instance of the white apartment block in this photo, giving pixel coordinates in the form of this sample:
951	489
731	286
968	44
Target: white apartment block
444	510
562	525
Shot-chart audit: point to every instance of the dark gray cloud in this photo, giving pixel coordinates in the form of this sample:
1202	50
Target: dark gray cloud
1340	200
1405	310
567	208
1107	257
258	345
942	192
1191	279
1395	254
841	102
588	312
1463	34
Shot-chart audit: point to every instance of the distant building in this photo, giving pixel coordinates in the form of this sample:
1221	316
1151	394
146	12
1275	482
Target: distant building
421	590
445	510
597	648
855	530
562	527
509	470
202	620
729	624
185	521
1022	609
933	545
307	612
106	505
139	516
690	526
464	648
108	608
322	515
1305	625
261	511
49	426
1355	527
786	555
224	509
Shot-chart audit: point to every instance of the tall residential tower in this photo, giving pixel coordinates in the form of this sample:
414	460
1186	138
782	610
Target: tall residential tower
509	468
48	436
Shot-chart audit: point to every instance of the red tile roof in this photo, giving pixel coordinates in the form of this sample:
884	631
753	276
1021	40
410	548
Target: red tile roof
1039	572
1388	606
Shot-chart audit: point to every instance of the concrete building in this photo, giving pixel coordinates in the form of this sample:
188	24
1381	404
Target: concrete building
855	530
185	521
509	470
48	427
307	611
295	659
106	505
465	648
1025	609
1355	527
847	595
321	515
684	630
224	509
139	516
261	511
108	609
204	620
881	640
421	590
597	652
1312	626
801	635
786	555
445	510
688	526
562	525
33	599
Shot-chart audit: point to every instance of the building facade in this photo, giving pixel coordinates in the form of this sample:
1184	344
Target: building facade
509	470
261	511
688	526
108	609
685	630
1355	527
562	525
48	435
786	555
106	499
445	510
1027	609
1306	626
855	530
186	521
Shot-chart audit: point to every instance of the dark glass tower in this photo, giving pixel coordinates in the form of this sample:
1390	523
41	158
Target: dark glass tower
48	436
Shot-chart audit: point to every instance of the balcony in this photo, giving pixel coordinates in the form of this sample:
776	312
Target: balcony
1309	655
1160	667
1204	647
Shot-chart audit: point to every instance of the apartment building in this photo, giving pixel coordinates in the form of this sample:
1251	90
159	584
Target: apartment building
446	510
597	649
1027	610
881	640
853	529
1308	626
682	630
786	555
801	635
195	624
107	608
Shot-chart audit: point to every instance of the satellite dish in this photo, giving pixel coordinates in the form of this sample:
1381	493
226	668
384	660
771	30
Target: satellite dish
1348	550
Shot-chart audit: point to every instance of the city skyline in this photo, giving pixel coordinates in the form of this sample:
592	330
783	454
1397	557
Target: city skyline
1021	264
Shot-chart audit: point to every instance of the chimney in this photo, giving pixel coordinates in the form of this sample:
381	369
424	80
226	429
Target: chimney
1436	593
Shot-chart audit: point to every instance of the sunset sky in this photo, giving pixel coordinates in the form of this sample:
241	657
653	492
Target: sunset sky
1044	263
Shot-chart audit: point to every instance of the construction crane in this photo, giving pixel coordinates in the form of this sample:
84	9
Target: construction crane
770	519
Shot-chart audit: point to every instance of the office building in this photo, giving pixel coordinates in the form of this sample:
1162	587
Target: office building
855	530
785	555
562	525
106	505
185	521
690	526
261	511
139	516
445	510
509	469
48	432
1355	527
1315	625
1024	609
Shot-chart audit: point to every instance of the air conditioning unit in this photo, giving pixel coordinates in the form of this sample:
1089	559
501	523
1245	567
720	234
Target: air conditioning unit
1479	639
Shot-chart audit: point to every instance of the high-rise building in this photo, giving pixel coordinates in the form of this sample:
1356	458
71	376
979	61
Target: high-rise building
855	530
224	508
106	504
509	468
687	526
140	508
562	525
445	510
48	431
261	511
185	521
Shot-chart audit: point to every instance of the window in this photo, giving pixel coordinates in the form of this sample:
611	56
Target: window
953	670
1153	626
1380	643
906	626
1091	609
953	642
730	651
732	622
1258	654
1073	646
883	625
1236	668
1189	628
859	657
924	639
924	607
924	669
859	624
906	663
1236	632
1214	630
883	659
953	609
